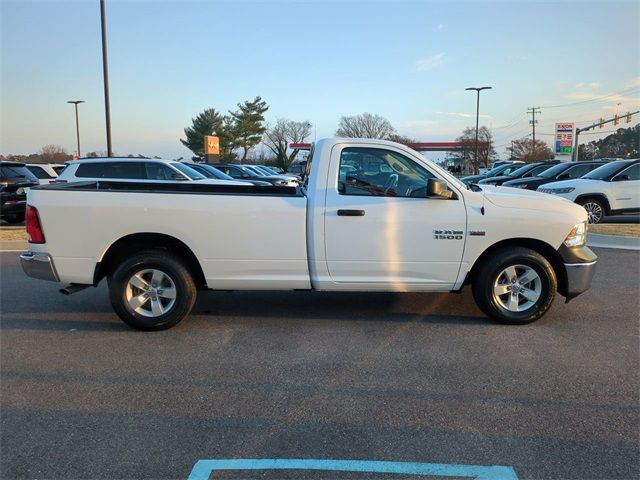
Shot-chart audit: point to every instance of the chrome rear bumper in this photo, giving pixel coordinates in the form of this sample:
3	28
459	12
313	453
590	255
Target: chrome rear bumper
39	265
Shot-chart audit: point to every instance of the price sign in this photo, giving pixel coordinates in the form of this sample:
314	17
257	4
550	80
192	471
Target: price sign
564	138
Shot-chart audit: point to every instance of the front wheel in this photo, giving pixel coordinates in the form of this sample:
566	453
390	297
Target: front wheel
595	209
152	290
515	286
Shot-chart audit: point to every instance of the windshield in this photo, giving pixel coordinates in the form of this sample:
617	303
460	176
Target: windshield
189	172
522	170
554	171
16	171
216	173
494	172
606	171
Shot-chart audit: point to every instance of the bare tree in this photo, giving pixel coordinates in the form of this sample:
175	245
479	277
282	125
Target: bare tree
283	133
486	152
525	150
365	125
53	154
395	137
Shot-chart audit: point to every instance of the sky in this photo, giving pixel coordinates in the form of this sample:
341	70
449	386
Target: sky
312	60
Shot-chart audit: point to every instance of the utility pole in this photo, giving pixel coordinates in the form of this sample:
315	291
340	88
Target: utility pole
105	72
533	111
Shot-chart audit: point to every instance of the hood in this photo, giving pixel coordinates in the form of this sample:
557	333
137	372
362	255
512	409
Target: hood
576	182
524	181
472	178
500	178
532	200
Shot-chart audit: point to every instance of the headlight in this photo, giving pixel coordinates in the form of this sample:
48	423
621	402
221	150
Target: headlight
577	236
558	191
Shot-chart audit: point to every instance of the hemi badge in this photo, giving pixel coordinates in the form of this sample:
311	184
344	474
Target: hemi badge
476	233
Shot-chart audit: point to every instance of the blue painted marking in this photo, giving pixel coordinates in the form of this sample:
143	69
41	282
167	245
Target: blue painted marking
203	469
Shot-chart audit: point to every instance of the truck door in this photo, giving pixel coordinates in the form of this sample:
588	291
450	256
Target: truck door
381	231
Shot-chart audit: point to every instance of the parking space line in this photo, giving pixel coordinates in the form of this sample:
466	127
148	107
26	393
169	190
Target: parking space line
204	469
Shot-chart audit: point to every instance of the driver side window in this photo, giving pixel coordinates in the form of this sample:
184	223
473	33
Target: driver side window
380	172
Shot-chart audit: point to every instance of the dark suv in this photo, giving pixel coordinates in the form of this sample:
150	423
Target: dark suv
562	171
15	178
525	171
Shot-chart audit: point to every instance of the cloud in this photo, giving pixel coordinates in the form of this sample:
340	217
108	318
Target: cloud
632	82
463	115
588	85
426	64
440	26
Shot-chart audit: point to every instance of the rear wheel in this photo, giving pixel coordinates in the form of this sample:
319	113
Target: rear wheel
515	286
595	209
152	290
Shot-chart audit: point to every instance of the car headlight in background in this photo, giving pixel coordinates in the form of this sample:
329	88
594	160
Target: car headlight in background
577	236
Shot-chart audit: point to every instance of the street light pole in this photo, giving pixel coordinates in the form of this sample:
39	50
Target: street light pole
76	102
478	90
105	71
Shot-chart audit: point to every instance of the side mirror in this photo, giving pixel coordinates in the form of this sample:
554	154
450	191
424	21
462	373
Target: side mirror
438	189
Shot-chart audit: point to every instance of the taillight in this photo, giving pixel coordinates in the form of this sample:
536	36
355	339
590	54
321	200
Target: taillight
32	222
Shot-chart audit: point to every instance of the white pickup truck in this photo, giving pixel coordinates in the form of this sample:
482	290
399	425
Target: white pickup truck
371	215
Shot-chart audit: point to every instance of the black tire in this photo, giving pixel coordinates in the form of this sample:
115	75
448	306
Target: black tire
595	209
492	271
174	269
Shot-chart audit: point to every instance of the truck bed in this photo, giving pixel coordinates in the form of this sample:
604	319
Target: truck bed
245	237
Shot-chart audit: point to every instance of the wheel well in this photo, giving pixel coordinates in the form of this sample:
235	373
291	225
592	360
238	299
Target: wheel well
596	196
543	248
127	246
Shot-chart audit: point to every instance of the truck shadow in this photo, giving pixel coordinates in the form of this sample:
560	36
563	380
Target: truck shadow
369	306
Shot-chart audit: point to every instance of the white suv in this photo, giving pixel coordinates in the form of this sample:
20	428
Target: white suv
611	189
45	172
137	169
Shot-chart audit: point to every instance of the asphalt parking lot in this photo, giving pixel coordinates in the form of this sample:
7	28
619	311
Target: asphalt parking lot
270	375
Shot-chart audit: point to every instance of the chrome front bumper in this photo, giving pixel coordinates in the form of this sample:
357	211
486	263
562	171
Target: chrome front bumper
39	265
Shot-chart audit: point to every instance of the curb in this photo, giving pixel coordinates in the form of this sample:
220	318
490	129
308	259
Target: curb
613	241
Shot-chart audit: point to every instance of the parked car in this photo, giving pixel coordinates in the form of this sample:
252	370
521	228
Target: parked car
297	168
138	169
397	223
504	169
269	171
497	163
611	189
562	171
524	171
245	172
15	180
44	172
210	171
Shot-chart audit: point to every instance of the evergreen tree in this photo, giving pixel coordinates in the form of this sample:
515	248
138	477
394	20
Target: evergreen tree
248	124
209	122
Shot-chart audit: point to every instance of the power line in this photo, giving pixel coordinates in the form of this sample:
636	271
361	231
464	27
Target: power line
603	98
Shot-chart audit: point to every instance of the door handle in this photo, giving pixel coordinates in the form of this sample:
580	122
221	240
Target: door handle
351	213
